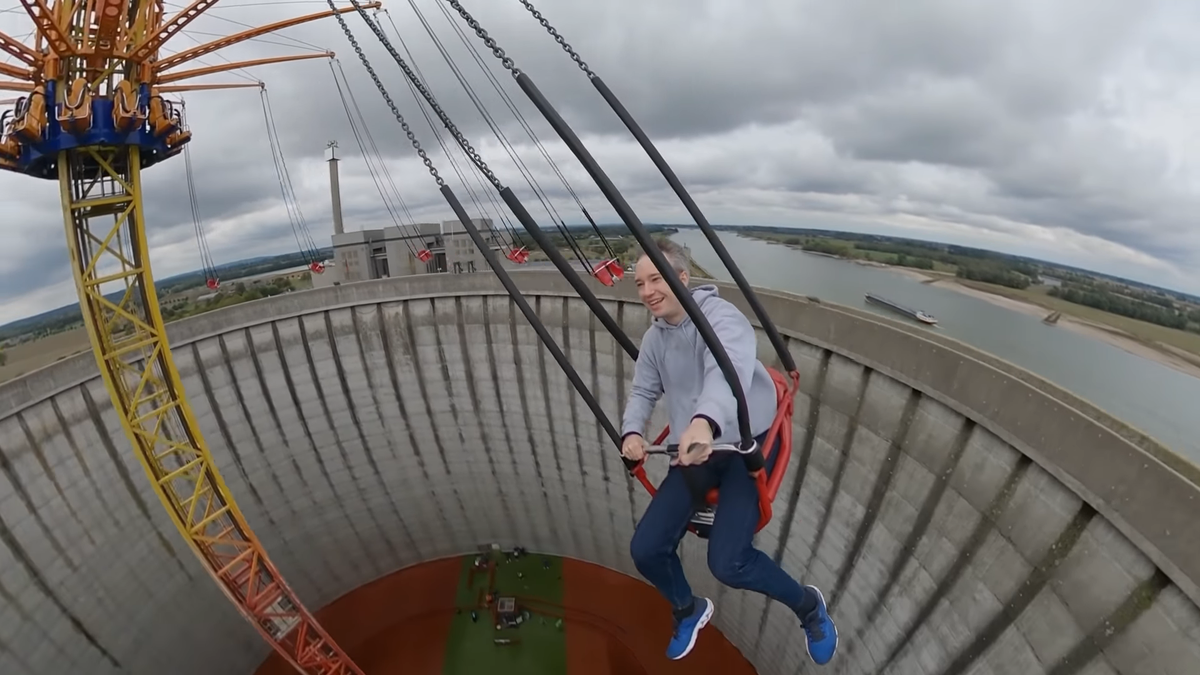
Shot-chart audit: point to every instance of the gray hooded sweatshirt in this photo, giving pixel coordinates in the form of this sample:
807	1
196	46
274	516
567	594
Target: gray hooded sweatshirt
674	361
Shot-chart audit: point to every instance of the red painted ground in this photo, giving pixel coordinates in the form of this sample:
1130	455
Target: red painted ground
638	623
403	618
615	625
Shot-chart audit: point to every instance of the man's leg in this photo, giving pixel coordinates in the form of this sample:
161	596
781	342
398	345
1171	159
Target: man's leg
736	563
655	552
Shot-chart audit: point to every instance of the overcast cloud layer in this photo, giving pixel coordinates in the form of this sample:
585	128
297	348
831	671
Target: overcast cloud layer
1062	130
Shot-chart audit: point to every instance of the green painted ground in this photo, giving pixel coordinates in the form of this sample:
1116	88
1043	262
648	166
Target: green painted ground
539	643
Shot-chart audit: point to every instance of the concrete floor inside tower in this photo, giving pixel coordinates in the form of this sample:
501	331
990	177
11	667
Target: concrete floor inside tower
576	619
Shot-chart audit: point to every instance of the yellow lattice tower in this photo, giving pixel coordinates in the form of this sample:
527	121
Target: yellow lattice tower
92	116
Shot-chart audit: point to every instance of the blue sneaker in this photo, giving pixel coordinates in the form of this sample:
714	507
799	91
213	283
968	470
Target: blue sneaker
687	630
822	634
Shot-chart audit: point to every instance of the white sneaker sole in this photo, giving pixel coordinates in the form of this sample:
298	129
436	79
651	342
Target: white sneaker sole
704	619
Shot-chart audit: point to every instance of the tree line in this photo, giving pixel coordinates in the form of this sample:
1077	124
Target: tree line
69	316
900	255
621	242
973	264
1102	299
234	295
994	274
1145	304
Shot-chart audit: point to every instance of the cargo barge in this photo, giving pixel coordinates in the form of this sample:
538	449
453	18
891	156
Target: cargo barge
910	313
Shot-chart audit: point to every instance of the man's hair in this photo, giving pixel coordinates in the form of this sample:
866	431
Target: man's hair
674	253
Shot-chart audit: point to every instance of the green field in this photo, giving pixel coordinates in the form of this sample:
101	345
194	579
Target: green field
539	644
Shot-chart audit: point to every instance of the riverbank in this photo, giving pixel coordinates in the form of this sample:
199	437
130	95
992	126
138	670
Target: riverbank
1163	354
909	272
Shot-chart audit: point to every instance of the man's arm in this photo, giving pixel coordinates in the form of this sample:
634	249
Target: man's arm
716	402
647	389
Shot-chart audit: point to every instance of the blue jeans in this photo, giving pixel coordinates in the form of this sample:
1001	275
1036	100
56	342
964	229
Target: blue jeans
732	557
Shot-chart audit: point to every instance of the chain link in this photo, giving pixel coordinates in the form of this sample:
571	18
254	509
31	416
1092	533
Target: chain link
391	104
488	40
558	38
472	153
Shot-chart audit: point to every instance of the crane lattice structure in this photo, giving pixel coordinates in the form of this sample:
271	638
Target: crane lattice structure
92	115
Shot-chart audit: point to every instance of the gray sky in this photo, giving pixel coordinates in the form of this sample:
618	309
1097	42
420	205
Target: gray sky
1061	129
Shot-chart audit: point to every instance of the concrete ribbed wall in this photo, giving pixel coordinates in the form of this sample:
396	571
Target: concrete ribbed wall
962	516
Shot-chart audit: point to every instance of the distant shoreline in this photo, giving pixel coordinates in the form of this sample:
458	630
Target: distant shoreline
1167	355
1155	351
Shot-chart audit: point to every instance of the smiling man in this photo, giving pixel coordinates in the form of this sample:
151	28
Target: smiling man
674	362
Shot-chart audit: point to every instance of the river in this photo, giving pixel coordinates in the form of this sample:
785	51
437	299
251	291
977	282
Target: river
1154	398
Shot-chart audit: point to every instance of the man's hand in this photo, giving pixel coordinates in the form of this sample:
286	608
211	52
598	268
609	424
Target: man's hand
697	433
634	447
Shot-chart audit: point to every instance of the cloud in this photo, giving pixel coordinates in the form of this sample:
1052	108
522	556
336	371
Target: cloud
1061	130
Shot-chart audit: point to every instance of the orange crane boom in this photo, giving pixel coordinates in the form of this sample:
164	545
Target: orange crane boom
14	71
177	88
20	51
221	43
224	67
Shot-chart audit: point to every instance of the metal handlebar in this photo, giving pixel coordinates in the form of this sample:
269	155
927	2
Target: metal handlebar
673	449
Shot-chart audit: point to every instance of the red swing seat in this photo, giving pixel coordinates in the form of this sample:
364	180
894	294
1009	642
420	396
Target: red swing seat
768	483
608	272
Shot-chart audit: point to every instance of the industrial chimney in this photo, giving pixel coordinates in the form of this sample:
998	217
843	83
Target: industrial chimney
335	189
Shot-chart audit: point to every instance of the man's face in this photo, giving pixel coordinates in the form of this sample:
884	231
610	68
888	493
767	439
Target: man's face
654	292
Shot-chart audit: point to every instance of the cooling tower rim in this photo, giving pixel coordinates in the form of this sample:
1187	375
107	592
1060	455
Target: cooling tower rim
1126	475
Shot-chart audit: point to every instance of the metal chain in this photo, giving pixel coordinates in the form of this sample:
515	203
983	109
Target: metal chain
412	77
391	104
488	40
558	38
